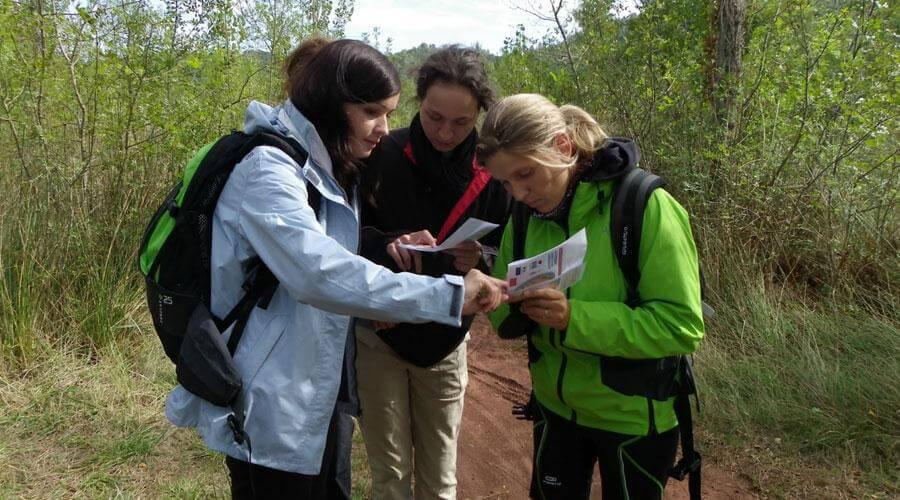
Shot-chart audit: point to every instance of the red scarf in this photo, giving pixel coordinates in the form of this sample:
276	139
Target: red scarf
480	179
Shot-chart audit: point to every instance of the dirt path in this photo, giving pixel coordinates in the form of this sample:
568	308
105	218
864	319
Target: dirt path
495	448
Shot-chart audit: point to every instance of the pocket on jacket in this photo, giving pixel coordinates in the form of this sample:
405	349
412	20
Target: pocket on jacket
262	334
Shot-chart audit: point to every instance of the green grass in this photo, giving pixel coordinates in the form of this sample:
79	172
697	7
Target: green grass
88	427
806	397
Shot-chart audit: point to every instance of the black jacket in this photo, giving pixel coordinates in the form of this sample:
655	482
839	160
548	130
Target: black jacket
401	197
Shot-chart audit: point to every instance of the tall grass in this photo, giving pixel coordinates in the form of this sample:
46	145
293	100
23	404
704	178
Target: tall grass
68	277
816	380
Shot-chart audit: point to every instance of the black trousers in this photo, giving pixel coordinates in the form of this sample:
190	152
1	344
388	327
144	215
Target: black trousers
565	453
251	482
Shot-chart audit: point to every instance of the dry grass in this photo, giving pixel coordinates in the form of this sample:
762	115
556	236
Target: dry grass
82	428
76	427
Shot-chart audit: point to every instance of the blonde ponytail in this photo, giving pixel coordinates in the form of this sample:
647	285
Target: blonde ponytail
583	129
529	124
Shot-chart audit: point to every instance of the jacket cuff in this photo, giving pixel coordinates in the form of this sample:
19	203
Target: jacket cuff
459	293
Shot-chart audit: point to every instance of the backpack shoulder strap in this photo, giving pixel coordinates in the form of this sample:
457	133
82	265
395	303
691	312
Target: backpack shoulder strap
516	323
630	197
261	284
227	152
297	153
519	217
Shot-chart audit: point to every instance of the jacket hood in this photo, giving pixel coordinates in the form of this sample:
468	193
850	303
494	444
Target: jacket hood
615	157
286	120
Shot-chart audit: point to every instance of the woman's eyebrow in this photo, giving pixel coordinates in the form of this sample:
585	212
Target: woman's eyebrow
382	106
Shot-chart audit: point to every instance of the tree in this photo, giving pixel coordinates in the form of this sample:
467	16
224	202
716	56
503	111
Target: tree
729	54
562	22
277	26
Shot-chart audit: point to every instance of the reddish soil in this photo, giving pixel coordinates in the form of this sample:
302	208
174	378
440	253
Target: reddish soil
495	448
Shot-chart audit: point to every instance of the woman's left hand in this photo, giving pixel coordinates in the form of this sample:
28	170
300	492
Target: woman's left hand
465	255
547	306
405	259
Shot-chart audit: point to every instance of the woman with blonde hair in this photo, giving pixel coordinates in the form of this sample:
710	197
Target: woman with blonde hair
558	163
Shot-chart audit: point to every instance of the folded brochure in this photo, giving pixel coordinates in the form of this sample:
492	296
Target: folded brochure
560	267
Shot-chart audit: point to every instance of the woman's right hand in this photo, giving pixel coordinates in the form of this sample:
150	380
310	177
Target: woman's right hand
410	259
483	293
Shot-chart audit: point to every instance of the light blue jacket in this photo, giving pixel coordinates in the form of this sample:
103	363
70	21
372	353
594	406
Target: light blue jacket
291	354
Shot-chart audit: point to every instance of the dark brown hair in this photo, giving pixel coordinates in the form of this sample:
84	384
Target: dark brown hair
322	75
458	65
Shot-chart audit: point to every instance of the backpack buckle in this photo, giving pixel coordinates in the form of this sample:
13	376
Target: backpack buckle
172	208
237	429
685	466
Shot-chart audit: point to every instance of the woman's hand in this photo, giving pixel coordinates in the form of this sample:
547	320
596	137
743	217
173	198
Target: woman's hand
483	293
547	306
465	255
410	259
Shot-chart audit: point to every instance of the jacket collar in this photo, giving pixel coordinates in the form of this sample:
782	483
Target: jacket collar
301	129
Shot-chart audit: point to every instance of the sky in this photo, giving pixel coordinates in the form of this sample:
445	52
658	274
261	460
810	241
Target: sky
440	22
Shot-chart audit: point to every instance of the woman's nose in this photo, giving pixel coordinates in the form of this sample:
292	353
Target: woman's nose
518	191
381	126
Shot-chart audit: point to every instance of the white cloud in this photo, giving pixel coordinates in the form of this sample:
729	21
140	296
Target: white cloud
488	22
409	23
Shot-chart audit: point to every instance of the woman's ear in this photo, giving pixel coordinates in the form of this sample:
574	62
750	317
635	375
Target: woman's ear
564	145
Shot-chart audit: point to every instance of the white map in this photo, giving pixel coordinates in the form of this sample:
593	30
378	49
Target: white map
472	229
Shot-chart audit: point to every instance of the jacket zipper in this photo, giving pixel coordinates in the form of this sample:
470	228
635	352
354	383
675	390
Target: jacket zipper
562	367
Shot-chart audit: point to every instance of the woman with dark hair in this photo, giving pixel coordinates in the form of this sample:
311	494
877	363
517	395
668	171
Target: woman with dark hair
412	377
293	438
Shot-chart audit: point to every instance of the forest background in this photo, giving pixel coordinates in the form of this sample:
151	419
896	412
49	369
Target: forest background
775	123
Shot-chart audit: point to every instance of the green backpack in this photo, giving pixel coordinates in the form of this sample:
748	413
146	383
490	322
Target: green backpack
175	259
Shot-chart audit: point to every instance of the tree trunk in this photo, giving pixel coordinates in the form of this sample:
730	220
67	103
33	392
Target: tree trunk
729	50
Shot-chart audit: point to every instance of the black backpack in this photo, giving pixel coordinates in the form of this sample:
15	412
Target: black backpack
656	379
175	259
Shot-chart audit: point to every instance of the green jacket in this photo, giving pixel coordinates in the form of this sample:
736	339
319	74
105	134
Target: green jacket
669	321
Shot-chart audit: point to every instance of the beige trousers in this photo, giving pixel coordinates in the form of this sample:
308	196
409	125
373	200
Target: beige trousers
410	420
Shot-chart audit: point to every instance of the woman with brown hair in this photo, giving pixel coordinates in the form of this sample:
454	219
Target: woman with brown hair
412	377
293	438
